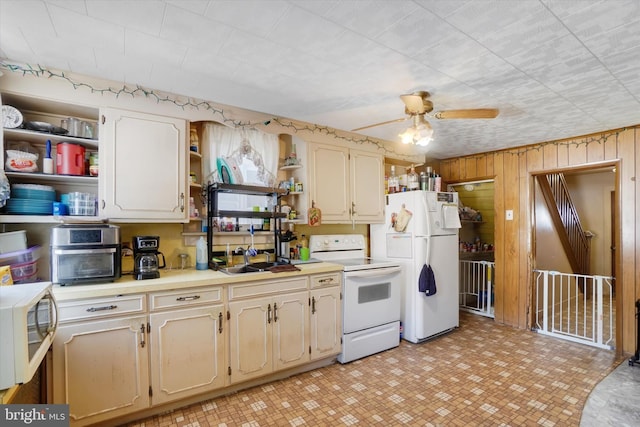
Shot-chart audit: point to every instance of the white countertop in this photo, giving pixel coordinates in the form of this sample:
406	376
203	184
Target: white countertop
179	279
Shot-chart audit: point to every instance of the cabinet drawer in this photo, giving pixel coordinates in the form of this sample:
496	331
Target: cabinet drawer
184	298
324	280
254	289
70	311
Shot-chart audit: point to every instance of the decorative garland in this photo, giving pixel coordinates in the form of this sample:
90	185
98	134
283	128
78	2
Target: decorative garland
578	141
159	97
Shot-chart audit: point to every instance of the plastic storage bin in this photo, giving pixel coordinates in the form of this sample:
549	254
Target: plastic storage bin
24	273
13	241
82	204
20	257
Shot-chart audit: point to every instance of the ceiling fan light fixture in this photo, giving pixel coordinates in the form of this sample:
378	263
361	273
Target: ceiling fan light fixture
421	133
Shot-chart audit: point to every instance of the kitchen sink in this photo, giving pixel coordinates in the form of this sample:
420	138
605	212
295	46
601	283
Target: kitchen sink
255	267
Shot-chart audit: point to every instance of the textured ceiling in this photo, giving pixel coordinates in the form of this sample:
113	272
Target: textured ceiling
554	68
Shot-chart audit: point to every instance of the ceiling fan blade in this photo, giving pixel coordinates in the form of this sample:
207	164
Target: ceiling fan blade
379	124
478	113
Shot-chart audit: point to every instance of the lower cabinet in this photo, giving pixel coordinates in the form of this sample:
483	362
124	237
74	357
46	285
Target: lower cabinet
268	333
187	345
119	355
326	315
101	365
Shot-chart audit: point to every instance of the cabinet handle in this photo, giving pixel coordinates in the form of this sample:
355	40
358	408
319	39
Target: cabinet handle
106	307
181	202
327	280
142	332
190	298
220	322
353	208
269	313
313	305
275	312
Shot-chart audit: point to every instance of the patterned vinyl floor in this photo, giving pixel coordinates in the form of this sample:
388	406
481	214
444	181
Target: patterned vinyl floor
481	374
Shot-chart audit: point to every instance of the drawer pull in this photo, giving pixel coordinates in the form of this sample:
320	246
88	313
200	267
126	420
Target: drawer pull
106	307
327	280
191	298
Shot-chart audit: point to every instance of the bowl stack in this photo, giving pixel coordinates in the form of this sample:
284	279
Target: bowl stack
31	199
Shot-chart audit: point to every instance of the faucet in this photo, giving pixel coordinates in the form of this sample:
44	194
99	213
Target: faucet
249	252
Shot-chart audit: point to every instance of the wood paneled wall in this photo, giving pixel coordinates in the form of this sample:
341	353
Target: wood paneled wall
513	172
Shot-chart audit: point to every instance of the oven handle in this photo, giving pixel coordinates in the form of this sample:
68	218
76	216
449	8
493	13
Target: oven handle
83	251
374	272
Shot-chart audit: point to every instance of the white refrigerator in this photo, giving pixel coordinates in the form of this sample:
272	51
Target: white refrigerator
421	227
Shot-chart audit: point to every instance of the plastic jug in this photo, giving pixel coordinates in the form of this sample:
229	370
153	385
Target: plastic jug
201	254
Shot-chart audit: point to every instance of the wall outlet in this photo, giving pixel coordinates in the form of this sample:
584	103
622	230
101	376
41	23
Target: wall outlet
509	215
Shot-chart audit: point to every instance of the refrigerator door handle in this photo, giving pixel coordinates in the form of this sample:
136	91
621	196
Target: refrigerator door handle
428	239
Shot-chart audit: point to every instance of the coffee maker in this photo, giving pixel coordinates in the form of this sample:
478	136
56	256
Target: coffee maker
146	257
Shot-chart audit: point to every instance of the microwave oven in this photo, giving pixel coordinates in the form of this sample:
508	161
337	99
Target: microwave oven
28	324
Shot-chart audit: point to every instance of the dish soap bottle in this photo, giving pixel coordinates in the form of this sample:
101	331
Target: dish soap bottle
201	254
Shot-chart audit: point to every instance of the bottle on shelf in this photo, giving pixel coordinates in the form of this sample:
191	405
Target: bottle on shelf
304	242
437	186
394	182
412	180
266	222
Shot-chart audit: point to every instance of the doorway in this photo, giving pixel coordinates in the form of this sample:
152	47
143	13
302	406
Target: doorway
575	300
477	245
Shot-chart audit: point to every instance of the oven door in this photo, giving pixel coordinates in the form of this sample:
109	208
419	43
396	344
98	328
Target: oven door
371	298
70	266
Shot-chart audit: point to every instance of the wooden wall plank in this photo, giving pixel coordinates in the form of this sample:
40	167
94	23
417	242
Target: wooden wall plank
534	161
481	166
490	162
595	149
499	238
577	151
611	147
562	155
470	173
550	155
626	279
512	238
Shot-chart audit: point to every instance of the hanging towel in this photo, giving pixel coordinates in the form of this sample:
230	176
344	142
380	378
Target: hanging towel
450	216
427	281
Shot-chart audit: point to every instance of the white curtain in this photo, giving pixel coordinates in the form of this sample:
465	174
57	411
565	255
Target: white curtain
248	155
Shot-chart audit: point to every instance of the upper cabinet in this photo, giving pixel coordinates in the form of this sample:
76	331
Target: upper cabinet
143	167
346	185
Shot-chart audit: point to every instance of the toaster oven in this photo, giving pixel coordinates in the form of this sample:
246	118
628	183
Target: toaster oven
85	253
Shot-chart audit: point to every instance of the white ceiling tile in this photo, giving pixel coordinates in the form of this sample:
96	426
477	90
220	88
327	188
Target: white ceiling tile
554	68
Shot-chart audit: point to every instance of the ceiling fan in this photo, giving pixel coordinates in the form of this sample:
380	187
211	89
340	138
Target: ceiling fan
417	105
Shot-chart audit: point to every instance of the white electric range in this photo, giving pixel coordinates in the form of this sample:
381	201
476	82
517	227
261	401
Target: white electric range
370	295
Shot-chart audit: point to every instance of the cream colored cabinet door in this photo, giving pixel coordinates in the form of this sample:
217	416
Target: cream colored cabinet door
143	164
290	330
346	185
250	337
101	369
367	187
187	352
326	322
329	181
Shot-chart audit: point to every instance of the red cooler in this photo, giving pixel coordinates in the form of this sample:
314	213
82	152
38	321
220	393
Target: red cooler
70	159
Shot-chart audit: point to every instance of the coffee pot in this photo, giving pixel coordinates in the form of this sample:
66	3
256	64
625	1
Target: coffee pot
147	257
